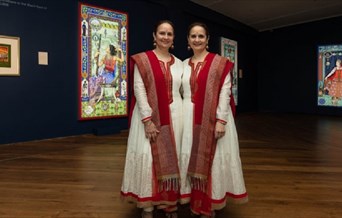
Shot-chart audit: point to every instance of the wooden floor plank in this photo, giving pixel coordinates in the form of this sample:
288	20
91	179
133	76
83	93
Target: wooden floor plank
292	166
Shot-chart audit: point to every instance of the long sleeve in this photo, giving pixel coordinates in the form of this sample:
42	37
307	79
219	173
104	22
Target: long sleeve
140	95
331	73
224	99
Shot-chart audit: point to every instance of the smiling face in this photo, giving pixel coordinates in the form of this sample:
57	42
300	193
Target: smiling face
198	39
163	36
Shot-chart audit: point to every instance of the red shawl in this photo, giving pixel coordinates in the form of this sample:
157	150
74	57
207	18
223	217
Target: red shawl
209	83
164	153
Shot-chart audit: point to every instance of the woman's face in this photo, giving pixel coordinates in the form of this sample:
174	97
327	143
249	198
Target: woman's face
338	63
198	39
164	36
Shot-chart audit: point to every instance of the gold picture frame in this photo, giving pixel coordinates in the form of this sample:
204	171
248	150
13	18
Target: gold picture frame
9	56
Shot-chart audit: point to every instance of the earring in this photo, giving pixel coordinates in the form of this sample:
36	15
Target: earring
207	47
172	46
154	43
189	47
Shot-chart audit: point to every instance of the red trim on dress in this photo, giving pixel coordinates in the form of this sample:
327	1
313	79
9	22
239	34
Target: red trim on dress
221	121
168	76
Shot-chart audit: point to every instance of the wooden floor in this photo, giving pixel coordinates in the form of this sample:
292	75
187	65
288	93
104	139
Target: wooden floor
292	166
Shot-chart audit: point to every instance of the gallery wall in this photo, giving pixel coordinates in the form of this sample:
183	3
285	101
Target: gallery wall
287	67
42	102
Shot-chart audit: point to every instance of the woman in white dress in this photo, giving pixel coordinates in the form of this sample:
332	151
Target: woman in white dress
210	163
151	176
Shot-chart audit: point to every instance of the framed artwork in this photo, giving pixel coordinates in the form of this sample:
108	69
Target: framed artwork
103	47
229	50
9	56
329	86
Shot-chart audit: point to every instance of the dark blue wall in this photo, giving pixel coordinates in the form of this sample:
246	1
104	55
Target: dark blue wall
287	80
43	101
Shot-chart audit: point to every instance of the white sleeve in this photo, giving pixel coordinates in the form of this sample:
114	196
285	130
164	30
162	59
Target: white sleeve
331	72
224	100
140	95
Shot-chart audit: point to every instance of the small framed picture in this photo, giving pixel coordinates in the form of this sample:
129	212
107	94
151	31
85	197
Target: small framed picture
9	56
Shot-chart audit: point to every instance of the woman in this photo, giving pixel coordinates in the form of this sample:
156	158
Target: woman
210	164
151	176
335	80
107	71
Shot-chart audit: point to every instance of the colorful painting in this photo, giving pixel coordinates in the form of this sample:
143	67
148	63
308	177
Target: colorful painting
329	87
5	55
9	56
103	50
229	50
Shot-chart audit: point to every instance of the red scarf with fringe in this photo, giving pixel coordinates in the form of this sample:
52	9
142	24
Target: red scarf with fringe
209	83
165	161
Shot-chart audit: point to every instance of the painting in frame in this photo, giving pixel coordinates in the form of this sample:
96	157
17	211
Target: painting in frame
229	49
329	84
9	56
103	52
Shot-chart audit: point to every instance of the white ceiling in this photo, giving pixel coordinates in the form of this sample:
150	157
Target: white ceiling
271	14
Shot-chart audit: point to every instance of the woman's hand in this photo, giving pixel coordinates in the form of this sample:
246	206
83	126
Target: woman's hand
151	131
220	130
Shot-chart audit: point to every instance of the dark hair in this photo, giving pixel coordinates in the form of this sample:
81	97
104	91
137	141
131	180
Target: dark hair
201	25
162	22
112	50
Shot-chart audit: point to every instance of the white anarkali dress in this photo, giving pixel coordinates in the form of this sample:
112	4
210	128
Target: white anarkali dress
227	176
138	175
